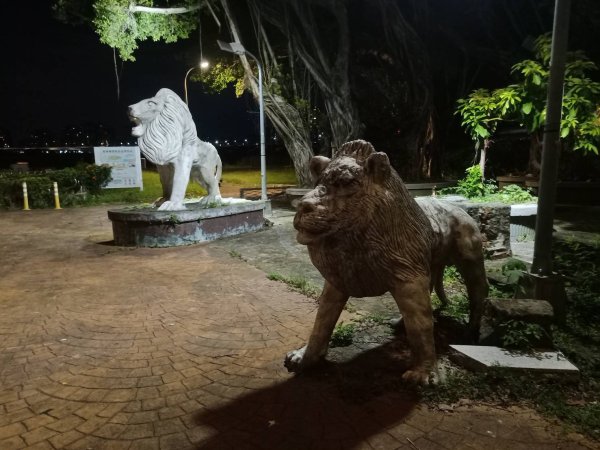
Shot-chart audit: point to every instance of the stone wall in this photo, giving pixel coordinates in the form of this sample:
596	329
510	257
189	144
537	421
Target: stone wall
494	223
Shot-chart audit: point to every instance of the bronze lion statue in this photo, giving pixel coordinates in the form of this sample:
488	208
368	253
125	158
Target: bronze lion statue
167	137
367	236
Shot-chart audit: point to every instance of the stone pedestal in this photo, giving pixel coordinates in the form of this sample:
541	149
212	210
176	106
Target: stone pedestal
152	228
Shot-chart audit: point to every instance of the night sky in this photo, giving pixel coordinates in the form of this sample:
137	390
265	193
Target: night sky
55	75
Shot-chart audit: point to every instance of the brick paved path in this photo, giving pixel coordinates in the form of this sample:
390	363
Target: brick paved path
110	348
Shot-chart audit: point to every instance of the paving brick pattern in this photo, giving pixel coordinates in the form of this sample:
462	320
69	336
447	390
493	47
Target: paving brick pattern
110	348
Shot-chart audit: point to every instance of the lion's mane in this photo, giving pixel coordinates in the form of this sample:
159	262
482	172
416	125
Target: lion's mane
169	131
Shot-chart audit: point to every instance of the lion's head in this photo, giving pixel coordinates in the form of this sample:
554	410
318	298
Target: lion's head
350	190
360	224
163	124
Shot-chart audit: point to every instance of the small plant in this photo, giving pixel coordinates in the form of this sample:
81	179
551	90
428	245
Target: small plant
472	185
173	219
343	335
350	308
235	254
297	283
451	275
457	308
515	194
513	270
496	292
520	335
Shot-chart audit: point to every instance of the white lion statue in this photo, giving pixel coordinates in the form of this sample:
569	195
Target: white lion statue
167	137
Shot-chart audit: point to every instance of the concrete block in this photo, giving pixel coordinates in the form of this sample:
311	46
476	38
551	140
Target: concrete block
479	357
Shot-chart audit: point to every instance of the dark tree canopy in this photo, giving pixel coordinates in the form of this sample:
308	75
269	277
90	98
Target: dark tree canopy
390	71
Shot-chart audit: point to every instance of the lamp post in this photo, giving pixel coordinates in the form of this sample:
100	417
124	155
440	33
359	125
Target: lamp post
238	49
202	65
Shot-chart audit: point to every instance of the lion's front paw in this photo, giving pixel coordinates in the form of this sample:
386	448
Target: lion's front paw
211	200
417	376
293	360
171	206
298	360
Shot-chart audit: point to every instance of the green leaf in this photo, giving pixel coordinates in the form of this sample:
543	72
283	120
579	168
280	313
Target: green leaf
537	80
526	108
564	133
482	132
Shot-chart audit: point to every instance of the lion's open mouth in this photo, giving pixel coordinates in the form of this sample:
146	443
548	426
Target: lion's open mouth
137	129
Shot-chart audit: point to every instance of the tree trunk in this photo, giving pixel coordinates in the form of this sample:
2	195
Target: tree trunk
535	155
285	118
483	156
329	70
289	125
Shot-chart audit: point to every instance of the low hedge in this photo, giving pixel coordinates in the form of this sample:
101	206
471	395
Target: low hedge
72	183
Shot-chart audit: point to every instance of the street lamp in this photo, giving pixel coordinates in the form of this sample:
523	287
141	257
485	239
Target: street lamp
238	49
202	65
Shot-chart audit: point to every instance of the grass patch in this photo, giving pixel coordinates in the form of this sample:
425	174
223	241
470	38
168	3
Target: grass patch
297	283
343	335
250	178
153	188
458	303
235	254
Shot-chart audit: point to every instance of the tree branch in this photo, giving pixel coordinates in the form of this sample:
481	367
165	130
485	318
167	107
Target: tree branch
165	11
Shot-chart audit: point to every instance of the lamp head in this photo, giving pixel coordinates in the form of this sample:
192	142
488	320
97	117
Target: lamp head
232	47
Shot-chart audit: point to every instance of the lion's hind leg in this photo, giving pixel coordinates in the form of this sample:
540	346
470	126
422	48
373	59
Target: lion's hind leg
211	184
470	264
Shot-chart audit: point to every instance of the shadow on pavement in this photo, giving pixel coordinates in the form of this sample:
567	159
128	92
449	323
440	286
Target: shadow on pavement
336	405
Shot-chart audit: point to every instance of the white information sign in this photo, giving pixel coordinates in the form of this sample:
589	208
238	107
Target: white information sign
126	165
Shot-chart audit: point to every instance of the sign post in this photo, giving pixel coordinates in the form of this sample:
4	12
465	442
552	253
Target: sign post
125	163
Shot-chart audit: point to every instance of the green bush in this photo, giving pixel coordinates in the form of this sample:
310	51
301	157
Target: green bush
93	178
474	187
71	181
38	191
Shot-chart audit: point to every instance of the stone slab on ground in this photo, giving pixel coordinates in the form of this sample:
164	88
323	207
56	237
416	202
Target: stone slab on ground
479	357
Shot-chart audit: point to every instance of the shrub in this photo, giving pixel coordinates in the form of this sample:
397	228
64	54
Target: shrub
93	178
38	190
474	187
72	180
